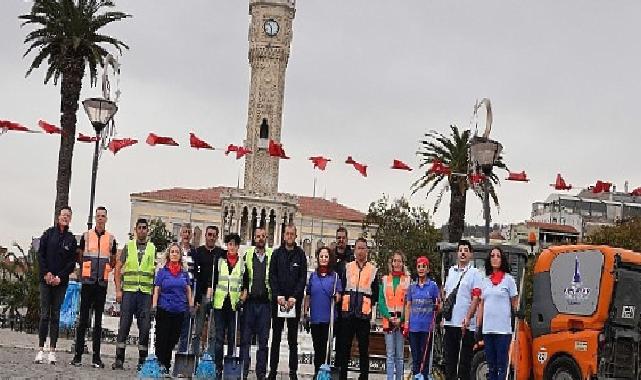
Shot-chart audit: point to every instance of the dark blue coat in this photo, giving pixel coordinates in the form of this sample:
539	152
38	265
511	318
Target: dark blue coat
57	254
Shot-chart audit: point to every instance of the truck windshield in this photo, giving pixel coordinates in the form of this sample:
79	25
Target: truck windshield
575	278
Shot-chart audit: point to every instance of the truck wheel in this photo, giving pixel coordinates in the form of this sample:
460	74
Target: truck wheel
562	368
479	366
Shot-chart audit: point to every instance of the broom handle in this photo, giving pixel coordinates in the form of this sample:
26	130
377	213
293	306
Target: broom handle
516	324
330	336
210	310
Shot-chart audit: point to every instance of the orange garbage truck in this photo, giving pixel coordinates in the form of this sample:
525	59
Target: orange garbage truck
585	321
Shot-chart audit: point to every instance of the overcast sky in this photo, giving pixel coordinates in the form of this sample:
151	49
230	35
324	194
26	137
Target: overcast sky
366	78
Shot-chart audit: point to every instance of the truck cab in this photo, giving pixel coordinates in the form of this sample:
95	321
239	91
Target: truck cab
585	321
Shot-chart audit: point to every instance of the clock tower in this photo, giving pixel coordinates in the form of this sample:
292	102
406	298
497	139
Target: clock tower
270	36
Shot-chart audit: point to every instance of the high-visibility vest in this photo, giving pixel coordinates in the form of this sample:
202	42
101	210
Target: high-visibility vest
139	276
249	262
357	298
228	283
394	298
96	259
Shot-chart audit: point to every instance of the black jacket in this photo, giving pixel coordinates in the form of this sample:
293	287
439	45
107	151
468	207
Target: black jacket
288	273
57	254
348	256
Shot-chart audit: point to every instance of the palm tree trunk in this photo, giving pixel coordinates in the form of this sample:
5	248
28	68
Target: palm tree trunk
456	223
71	85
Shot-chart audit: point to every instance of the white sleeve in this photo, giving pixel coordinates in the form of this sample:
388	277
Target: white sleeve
512	287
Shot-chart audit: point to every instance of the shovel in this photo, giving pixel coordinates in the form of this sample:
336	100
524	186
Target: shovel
233	365
184	362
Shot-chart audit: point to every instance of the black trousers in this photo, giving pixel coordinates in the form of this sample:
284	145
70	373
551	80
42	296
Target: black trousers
341	358
320	333
168	328
91	296
452	342
278	324
359	328
51	298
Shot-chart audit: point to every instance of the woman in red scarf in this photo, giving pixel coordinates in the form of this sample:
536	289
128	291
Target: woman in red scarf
171	299
494	317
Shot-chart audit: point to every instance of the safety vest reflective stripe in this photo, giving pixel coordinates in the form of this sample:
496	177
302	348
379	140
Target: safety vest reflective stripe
359	286
394	298
228	283
249	260
139	276
96	258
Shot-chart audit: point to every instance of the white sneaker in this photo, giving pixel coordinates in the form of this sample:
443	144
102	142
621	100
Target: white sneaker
39	356
52	357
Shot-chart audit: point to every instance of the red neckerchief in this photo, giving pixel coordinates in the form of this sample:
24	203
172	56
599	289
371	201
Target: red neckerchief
232	260
323	269
497	277
397	274
174	268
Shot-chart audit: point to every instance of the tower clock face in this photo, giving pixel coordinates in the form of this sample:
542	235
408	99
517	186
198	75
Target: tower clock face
271	27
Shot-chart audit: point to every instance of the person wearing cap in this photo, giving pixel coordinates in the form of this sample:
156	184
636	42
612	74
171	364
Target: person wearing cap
422	303
391	305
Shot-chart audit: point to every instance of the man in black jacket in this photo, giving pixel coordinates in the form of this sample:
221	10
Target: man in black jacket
344	255
287	277
57	259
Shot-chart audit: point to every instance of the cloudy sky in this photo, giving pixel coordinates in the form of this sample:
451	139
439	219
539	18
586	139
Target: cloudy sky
366	78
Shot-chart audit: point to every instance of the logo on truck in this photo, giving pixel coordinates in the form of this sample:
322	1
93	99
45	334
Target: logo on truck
576	293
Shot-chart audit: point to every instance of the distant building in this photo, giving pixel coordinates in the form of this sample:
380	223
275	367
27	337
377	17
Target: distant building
586	211
547	234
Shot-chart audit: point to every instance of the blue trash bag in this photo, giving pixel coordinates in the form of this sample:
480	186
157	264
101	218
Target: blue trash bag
206	368
70	306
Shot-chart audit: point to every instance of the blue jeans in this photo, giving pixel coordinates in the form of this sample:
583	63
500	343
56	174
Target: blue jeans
256	321
394	348
496	353
420	352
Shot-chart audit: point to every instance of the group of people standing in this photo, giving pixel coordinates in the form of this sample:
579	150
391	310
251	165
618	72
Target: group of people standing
217	293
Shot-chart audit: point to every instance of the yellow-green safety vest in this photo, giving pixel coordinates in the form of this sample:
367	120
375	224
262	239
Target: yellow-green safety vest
249	260
228	283
139	276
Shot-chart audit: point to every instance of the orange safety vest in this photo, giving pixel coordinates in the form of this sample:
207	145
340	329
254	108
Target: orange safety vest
357	299
96	259
394	298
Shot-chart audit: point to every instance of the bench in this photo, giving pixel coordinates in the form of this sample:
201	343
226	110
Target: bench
377	353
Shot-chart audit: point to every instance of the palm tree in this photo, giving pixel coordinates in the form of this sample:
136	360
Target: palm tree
452	151
67	37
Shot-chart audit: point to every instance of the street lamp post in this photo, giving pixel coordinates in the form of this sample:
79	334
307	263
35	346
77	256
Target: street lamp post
100	111
483	154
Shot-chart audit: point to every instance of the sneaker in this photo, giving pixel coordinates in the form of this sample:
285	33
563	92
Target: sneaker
117	365
76	361
52	357
39	357
97	363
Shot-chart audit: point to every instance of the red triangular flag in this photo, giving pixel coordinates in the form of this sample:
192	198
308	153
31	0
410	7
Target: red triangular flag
601	187
153	140
230	148
439	168
11	126
519	177
636	192
476	178
400	165
241	151
320	162
350	160
116	144
49	128
560	184
197	143
85	138
276	150
361	168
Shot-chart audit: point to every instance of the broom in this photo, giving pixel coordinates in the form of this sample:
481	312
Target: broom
206	368
325	370
151	368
